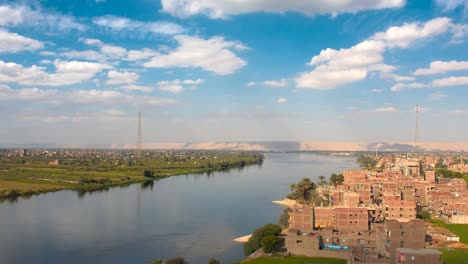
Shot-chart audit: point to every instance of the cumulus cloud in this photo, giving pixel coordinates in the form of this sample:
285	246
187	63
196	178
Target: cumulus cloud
135	55
116	77
110	51
12	42
334	68
274	83
282	100
22	15
437	67
214	54
177	86
400	86
120	24
450	81
407	34
66	73
140	88
84	54
225	8
325	77
250	84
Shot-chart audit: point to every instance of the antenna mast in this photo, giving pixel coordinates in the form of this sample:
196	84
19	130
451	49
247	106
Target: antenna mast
139	139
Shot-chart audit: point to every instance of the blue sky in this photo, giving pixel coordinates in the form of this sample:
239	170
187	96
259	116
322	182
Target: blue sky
77	72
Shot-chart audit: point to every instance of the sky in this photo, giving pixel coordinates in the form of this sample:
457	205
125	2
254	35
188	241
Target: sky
78	72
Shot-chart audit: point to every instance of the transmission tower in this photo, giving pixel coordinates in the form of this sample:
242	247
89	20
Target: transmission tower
416	133
139	138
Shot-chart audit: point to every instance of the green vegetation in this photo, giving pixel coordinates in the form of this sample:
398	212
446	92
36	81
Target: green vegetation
177	260
213	261
295	260
336	179
454	255
45	171
366	162
256	240
423	214
283	221
305	192
446	173
302	190
459	229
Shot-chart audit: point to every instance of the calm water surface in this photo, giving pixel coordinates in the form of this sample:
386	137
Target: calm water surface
194	216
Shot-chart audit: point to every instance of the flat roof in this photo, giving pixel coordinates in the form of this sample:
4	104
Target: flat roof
417	251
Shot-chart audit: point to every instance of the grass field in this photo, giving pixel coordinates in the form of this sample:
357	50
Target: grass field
454	256
14	188
294	260
460	229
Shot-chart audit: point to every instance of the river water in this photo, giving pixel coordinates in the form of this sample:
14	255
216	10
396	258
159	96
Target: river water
193	216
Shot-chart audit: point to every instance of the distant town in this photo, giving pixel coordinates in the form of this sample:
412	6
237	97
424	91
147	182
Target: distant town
396	209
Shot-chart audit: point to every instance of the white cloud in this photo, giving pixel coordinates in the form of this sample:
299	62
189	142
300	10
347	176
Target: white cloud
365	53
193	82
449	5
22	15
135	55
400	86
120	24
274	83
409	33
111	51
171	86
25	94
437	67
12	42
386	110
115	77
66	73
334	68
459	31
225	8
140	88
325	77
212	54
250	84
376	90
450	81
437	96
282	100
85	54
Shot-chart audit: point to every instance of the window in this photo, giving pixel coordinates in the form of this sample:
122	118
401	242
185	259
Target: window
402	233
402	244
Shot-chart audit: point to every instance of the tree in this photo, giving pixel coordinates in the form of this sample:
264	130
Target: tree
284	218
269	244
213	261
255	241
423	214
336	179
322	179
177	260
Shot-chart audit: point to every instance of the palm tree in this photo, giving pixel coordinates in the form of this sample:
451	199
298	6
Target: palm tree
322	179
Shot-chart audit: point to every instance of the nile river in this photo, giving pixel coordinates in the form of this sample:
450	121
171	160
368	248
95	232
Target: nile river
193	216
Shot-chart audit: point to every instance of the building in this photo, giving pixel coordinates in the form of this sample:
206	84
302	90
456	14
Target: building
417	256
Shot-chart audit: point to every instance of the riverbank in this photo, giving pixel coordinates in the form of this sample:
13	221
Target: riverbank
32	175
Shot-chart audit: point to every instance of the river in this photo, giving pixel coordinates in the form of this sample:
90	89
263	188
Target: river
193	216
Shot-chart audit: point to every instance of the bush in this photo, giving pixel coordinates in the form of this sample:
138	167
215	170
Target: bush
213	261
269	244
423	214
255	242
